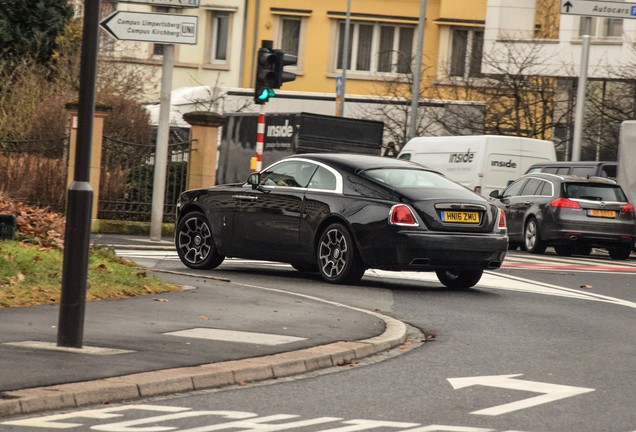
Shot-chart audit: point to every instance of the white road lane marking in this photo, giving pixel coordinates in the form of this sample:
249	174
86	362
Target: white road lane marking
236	336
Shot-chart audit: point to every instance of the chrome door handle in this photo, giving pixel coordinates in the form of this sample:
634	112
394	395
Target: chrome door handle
245	197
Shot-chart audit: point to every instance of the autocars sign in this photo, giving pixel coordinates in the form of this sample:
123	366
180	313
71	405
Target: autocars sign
152	27
599	8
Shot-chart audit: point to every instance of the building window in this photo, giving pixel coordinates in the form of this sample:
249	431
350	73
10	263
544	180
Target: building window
466	53
603	27
219	37
377	47
290	35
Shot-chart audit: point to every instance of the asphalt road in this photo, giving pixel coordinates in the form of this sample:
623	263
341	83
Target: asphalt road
559	343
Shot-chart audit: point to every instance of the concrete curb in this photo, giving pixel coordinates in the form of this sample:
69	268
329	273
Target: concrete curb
207	376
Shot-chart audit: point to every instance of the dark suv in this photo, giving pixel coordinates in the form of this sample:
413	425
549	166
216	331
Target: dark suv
571	213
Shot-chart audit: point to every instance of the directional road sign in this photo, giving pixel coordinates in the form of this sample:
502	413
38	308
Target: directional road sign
152	27
607	9
169	3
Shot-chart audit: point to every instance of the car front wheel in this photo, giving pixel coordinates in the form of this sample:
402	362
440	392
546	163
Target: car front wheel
338	260
459	279
195	244
532	238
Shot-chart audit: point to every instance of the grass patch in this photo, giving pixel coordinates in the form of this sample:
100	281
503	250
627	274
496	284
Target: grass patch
31	274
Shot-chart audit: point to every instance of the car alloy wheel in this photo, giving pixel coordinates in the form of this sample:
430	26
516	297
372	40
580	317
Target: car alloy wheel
194	242
337	258
532	237
459	279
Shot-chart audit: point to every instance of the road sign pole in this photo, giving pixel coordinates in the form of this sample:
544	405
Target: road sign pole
161	152
579	117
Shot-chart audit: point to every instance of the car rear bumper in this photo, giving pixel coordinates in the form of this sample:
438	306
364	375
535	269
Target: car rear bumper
429	251
573	232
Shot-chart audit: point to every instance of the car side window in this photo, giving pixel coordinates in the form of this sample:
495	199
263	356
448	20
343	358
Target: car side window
531	187
514	189
323	179
545	189
609	171
288	174
583	171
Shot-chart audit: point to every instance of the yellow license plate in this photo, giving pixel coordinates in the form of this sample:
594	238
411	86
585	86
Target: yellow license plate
460	217
602	213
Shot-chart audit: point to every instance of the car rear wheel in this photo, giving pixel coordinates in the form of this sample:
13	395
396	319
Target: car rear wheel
195	244
621	252
532	238
459	279
338	260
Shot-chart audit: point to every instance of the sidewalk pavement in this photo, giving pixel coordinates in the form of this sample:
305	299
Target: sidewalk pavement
213	334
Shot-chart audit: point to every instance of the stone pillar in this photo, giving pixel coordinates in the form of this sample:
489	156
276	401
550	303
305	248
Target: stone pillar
205	137
101	112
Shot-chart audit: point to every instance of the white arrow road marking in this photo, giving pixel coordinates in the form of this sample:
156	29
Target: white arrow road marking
551	392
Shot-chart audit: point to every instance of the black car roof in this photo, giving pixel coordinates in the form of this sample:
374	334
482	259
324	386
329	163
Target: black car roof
357	162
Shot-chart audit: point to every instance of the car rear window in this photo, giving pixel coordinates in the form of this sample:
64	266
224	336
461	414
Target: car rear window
595	192
410	178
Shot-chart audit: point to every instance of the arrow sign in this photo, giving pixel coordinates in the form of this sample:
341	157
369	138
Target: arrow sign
152	27
610	9
551	392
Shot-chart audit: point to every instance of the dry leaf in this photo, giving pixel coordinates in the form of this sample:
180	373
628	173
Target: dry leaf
160	300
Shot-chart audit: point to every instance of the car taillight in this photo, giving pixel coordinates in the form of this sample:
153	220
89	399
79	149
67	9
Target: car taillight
566	203
501	224
627	208
401	214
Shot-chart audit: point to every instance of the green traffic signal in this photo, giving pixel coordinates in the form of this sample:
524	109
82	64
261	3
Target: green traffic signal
265	73
265	94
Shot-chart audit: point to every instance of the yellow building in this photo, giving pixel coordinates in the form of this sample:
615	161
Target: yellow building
383	40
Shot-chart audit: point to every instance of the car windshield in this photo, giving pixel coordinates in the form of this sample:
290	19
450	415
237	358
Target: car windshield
595	192
410	178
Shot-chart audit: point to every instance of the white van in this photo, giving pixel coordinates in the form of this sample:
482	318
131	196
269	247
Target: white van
482	163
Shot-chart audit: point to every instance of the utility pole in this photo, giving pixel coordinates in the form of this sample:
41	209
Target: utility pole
417	73
80	194
579	116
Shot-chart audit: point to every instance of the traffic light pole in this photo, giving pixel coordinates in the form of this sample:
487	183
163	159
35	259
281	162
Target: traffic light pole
270	74
260	138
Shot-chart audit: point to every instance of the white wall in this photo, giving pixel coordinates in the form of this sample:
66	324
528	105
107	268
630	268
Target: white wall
514	19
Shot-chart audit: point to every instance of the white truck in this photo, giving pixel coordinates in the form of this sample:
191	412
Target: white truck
482	163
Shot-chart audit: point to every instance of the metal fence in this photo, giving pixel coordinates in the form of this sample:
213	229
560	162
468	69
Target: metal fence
127	178
35	171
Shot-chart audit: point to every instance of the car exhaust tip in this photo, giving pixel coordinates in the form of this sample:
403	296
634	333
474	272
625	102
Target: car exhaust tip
494	265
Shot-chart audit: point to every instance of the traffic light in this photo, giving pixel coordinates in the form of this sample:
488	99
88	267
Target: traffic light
283	60
265	75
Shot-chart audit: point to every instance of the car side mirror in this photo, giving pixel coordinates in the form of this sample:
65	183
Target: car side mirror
254	179
495	194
